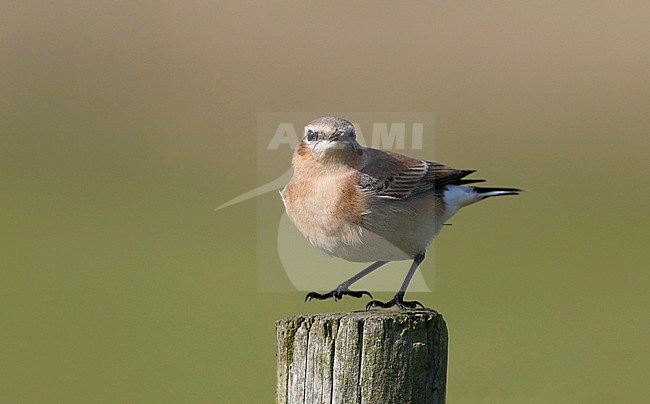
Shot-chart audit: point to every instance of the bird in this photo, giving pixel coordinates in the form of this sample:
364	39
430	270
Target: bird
363	204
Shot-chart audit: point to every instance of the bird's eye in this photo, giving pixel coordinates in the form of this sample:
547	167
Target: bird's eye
311	136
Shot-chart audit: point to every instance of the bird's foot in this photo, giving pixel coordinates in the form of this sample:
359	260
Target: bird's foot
397	300
337	294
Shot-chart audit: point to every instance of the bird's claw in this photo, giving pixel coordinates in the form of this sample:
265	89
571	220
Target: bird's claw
337	294
397	300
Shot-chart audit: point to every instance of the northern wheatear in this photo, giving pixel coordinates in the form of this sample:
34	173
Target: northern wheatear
364	205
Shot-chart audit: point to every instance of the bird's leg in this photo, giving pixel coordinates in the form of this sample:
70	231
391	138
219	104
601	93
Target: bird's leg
398	299
342	289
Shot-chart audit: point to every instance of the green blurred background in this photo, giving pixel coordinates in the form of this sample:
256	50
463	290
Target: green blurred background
124	124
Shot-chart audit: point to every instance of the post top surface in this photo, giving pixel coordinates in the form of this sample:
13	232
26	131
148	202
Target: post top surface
363	315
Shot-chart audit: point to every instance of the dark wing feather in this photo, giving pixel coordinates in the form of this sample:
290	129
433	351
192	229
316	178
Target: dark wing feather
394	176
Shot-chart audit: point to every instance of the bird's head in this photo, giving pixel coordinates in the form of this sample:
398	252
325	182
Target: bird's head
330	138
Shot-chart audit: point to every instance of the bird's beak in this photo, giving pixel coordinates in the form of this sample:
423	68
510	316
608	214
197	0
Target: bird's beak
335	137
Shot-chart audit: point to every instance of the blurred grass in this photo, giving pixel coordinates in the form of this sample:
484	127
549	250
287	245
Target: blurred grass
124	125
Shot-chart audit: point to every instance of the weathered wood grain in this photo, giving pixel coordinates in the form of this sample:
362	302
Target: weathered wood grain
377	356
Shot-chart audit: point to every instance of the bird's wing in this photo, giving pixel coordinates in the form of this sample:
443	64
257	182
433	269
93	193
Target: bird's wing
393	176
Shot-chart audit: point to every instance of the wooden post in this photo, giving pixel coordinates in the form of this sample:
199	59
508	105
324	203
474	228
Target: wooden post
376	356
